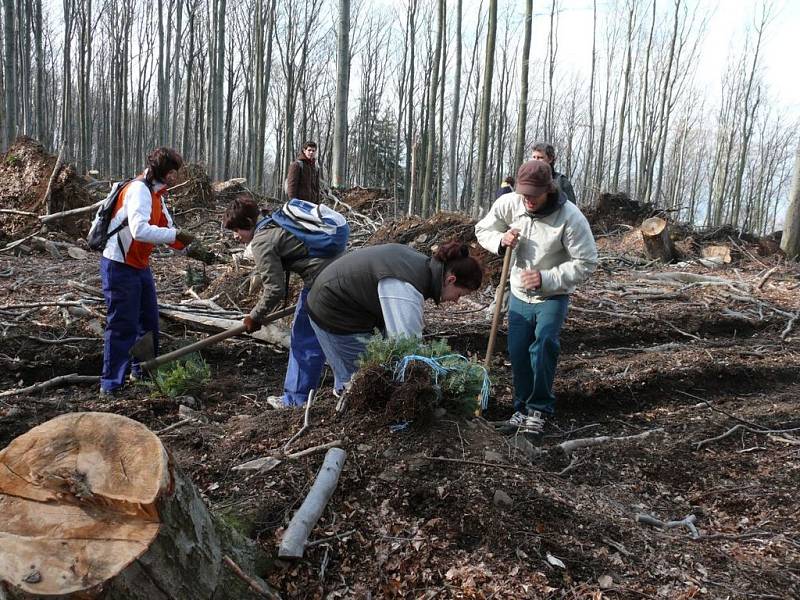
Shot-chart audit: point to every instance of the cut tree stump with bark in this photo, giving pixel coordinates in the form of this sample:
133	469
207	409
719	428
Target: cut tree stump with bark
92	506
657	243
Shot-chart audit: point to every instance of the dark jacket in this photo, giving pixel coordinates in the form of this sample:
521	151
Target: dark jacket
565	185
344	298
275	252
503	189
303	180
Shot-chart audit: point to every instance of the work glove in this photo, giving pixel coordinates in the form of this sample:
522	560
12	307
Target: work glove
198	251
250	324
184	237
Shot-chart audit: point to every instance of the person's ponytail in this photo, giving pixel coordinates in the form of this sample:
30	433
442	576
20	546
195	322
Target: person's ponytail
457	261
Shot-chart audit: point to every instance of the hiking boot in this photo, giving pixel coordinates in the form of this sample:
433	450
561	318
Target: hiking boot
275	402
110	393
534	423
517	419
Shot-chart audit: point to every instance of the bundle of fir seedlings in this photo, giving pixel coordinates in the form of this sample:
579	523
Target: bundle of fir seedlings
183	377
408	378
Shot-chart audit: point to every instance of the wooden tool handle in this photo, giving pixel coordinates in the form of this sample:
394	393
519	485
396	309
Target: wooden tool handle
211	340
498	307
498	311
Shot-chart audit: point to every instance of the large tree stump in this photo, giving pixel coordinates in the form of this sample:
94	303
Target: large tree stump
91	506
657	243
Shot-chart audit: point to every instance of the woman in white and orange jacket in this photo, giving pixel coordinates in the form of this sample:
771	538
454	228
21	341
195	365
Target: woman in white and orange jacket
128	285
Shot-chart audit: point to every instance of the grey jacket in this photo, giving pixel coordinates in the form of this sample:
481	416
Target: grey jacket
277	251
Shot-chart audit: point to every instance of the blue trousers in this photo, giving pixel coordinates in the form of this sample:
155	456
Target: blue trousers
533	345
132	310
306	359
342	353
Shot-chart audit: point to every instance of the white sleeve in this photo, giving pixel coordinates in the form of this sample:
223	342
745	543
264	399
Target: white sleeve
139	204
491	228
401	305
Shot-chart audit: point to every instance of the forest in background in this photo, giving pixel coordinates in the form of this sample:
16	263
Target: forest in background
433	100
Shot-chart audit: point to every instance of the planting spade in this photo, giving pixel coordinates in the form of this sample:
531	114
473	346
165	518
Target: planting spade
144	349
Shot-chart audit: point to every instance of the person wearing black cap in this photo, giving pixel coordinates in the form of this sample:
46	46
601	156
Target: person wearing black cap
554	251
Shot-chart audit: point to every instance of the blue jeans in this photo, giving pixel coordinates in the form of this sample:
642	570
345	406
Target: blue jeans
534	346
342	353
306	359
130	296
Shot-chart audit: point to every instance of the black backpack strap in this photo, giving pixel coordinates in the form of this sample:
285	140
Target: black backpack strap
288	274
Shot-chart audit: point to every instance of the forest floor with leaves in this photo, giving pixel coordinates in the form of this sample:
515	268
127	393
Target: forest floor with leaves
700	375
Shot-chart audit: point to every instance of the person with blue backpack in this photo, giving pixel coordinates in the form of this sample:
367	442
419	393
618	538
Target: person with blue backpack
300	237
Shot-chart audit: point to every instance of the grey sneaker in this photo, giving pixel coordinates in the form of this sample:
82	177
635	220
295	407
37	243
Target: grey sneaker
534	423
275	402
517	419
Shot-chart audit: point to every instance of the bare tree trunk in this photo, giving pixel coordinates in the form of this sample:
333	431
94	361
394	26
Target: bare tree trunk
483	137
409	180
9	74
176	76
623	101
433	86
790	241
522	117
338	178
589	162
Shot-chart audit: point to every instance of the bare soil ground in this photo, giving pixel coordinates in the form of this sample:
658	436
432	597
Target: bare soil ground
453	508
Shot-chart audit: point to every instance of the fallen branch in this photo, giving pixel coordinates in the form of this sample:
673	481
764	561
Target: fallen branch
736	428
766	276
257	586
180	423
49	191
570	446
305	421
13	211
688	522
325	540
295	537
269	462
56	381
789	326
479	463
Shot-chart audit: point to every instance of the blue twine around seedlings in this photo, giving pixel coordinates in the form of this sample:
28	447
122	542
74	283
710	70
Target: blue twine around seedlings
435	363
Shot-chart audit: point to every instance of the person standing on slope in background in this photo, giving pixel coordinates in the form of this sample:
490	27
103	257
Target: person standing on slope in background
547	153
506	187
140	221
302	181
554	251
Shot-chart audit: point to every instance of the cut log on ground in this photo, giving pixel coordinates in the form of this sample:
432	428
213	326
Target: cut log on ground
91	506
271	333
657	243
294	541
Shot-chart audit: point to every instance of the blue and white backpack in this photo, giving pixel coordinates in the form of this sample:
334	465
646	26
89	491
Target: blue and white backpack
323	230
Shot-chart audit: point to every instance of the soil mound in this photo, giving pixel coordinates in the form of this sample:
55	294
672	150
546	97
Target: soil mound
613	210
371	202
195	191
426	235
25	170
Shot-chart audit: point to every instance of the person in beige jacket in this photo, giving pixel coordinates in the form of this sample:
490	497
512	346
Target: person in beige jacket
554	251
